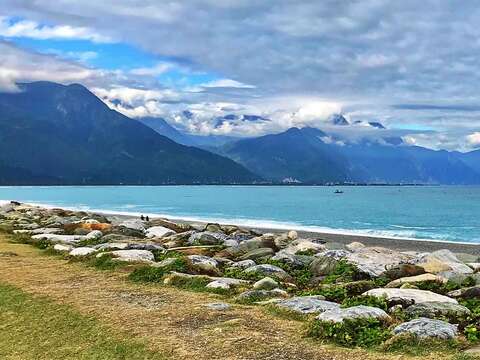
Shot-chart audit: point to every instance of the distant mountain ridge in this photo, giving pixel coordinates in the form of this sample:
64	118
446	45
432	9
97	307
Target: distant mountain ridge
304	155
57	134
312	156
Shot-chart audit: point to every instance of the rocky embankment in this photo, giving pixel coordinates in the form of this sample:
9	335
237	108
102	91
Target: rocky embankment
352	295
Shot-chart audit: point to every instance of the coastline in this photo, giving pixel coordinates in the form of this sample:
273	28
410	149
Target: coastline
396	243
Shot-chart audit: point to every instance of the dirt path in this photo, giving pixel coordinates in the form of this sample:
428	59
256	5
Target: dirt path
172	321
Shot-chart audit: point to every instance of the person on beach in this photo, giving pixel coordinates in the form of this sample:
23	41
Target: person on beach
141	217
147	218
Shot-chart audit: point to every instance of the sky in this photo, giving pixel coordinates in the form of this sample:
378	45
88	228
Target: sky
411	65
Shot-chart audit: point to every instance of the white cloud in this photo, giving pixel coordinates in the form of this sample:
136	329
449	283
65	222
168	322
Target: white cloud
473	140
34	30
226	83
17	65
156	70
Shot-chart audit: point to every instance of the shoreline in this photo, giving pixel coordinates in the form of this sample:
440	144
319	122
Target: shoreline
401	244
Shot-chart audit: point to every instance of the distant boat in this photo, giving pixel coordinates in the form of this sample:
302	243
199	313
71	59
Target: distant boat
338	192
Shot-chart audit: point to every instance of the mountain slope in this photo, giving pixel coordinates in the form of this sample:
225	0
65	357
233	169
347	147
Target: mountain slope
62	132
207	142
297	154
310	156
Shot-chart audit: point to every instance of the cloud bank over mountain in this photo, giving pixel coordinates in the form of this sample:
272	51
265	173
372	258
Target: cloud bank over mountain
410	65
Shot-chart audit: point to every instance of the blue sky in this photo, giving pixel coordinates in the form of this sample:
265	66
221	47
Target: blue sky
411	65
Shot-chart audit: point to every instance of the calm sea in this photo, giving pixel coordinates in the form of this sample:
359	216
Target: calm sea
450	213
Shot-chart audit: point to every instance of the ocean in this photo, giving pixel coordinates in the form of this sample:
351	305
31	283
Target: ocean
442	213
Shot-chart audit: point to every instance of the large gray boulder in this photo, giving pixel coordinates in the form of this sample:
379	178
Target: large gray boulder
435	309
338	315
412	280
325	263
374	261
132	255
260	295
225	283
81	251
266	283
443	262
466	293
244	264
427	328
207	238
203	264
62	239
258	254
134	224
269	270
307	304
407	297
158	232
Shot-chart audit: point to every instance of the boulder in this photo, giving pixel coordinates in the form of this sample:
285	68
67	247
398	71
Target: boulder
112	246
258	254
408	297
427	328
374	261
176	240
263	241
203	264
266	283
403	270
244	264
304	246
338	315
207	238
134	224
225	283
475	266
122	230
466	293
296	261
283	240
62	248
269	270
132	255
325	263
93	235
81	251
441	261
435	309
417	279
307	304
47	231
260	295
158	232
176	227
56	238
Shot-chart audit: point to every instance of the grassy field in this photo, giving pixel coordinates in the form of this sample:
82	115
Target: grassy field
54	309
36	328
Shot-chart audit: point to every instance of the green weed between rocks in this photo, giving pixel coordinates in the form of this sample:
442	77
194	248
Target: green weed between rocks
366	333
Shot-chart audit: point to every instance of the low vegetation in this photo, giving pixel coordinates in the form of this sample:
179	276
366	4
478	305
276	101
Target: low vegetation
36	328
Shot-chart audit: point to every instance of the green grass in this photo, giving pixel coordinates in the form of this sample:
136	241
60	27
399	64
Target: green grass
367	333
37	328
412	345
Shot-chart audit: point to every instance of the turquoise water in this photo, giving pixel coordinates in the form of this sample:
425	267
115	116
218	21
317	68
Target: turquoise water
437	212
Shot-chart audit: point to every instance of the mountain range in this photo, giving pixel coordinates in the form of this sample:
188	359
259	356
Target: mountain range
312	156
56	134
64	134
